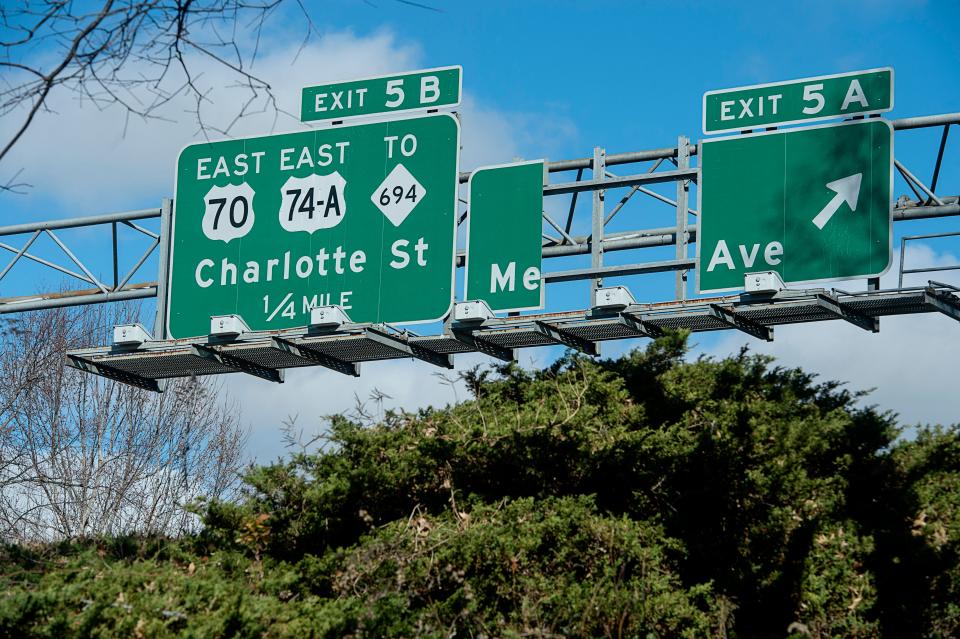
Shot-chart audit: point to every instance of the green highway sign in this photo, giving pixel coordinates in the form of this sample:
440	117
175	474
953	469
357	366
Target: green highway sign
504	246
361	217
811	204
806	100
427	89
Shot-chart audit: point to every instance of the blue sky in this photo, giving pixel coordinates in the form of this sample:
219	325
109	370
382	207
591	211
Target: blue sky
555	79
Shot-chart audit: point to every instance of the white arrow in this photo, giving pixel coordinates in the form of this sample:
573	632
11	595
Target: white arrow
847	190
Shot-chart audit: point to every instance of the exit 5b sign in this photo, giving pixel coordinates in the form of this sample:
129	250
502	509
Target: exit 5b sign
397	93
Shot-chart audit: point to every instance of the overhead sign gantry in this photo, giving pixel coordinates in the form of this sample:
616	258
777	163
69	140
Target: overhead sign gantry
305	249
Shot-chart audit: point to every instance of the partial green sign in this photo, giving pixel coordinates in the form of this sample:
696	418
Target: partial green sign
811	204
806	100
427	89
504	236
361	217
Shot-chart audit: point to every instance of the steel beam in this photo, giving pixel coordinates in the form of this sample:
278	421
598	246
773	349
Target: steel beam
305	352
734	320
567	338
237	363
59	300
616	182
73	222
615	271
116	374
845	312
947	304
466	336
404	346
926	121
640	324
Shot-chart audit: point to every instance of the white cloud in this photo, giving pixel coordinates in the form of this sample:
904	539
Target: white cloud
910	363
92	161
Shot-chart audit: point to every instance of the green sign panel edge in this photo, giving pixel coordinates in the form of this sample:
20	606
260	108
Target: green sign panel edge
518	277
372	122
788	132
765	85
386	112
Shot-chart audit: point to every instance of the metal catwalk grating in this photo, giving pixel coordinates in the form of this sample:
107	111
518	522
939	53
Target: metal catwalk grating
690	321
441	344
164	365
788	314
601	330
267	356
354	348
516	338
901	304
167	359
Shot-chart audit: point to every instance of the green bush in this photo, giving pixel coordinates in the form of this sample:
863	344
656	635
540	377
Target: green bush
646	496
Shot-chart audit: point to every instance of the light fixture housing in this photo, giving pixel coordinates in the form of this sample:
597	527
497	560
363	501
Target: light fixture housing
130	335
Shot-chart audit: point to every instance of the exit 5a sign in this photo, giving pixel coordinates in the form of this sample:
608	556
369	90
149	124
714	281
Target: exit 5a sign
811	204
807	100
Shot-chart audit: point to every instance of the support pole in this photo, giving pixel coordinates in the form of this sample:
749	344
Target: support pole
683	192
598	217
163	268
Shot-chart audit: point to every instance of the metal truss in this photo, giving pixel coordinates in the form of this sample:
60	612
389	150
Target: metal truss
573	228
120	288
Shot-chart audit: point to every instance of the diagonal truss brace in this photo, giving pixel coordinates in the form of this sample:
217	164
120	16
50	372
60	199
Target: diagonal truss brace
734	320
413	350
566	338
237	363
845	312
947	304
484	346
116	374
315	356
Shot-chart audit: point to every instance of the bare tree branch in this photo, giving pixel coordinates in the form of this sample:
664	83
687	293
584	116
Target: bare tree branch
82	456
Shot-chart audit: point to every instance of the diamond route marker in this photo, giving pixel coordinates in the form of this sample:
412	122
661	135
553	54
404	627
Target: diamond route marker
398	195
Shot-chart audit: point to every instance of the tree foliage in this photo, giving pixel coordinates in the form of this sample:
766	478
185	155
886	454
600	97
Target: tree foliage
646	496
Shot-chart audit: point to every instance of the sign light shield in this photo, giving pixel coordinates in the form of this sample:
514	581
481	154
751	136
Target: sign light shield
787	212
875	82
